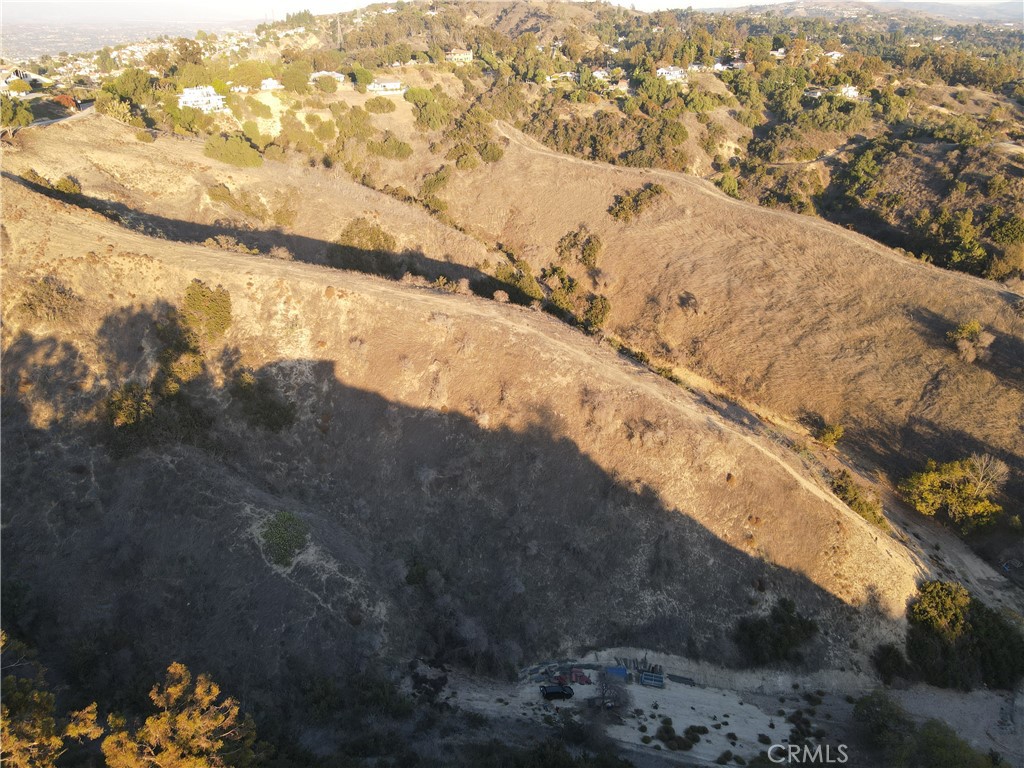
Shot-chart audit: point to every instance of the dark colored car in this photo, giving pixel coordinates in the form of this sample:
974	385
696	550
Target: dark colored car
550	692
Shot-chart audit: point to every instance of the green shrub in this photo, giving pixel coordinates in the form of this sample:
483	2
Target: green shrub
971	340
206	312
955	641
729	184
960	490
590	251
596	314
969	330
491	152
435	182
326	84
234	149
50	299
380	105
32	176
861	501
14	112
361	76
244	202
517	273
776	637
418	97
145	137
390	147
631	204
366	235
665	733
67	186
580	243
284	536
130	407
831	434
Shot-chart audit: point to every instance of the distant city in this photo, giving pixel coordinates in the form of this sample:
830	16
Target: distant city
22	41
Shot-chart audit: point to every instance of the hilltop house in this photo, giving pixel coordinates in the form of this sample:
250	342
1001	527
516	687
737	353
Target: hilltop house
569	76
386	86
601	74
459	56
270	84
672	74
203	98
849	91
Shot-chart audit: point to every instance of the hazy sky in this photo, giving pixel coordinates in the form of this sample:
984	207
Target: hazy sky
107	11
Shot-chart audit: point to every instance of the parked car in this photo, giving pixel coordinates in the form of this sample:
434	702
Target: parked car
550	692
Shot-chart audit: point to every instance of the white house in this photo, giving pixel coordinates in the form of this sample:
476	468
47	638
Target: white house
779	53
672	74
834	55
601	74
459	56
570	76
270	84
386	86
202	97
324	73
849	91
10	75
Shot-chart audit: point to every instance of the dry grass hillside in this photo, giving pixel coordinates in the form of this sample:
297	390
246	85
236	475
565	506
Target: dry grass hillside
801	318
170	189
794	314
468	480
549	21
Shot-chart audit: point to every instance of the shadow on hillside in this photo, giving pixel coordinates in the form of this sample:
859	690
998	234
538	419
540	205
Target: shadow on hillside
432	537
1005	358
899	449
389	264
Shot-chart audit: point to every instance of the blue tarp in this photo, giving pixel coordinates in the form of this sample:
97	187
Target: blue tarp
619	672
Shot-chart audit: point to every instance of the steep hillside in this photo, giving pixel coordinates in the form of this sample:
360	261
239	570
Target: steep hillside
791	313
799	317
478	482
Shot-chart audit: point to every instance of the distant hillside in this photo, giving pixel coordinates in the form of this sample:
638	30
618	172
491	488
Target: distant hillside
991	12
